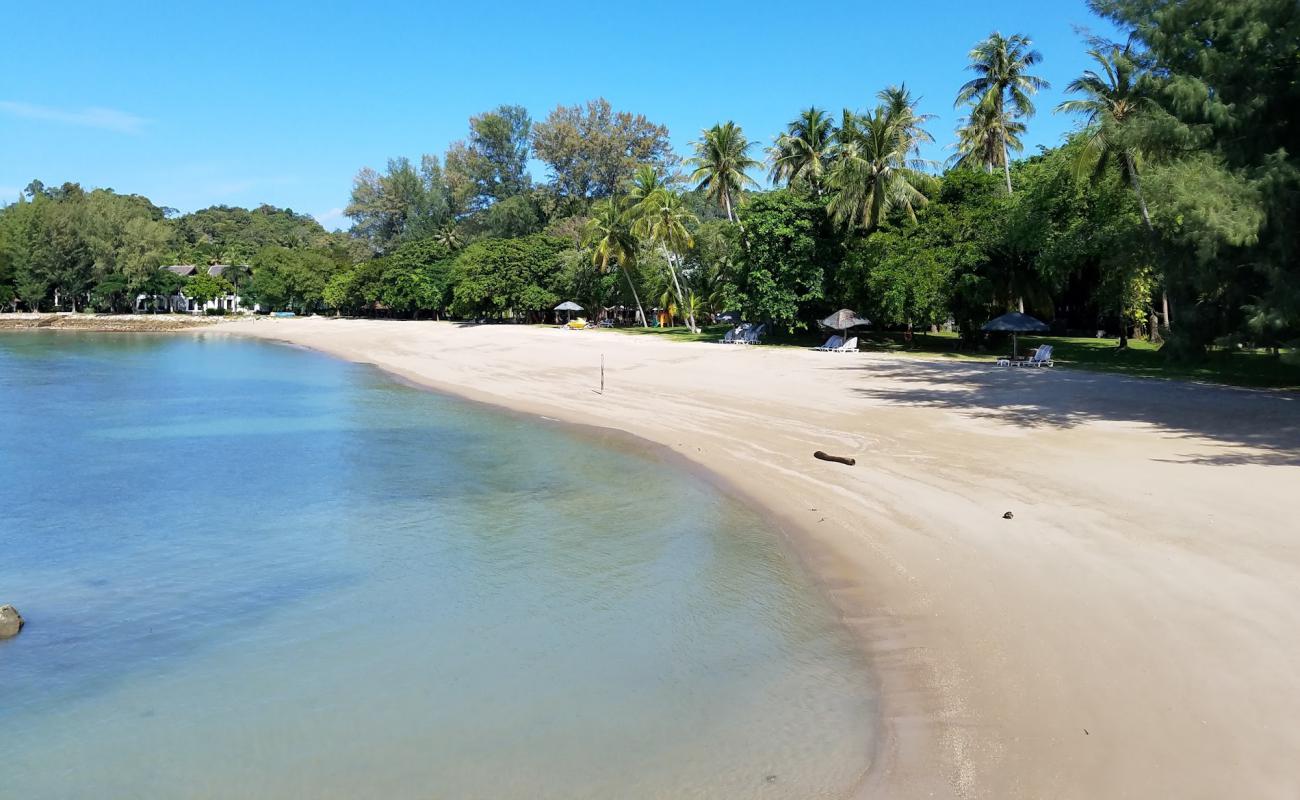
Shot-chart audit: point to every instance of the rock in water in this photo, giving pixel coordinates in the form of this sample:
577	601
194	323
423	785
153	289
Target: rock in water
10	622
1008	515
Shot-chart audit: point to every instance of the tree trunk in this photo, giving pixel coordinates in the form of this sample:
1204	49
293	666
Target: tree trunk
726	202
1151	229
1006	161
681	298
639	311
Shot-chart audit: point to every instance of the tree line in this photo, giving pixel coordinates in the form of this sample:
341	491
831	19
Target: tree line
1166	212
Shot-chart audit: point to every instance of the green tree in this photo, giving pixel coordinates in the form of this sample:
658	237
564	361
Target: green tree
781	274
497	276
610	237
985	137
592	150
660	216
721	162
202	287
1003	83
1113	104
499	146
801	154
512	217
289	279
403	204
415	278
873	171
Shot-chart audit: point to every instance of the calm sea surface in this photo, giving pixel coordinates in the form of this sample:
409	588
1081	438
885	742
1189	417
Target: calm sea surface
252	571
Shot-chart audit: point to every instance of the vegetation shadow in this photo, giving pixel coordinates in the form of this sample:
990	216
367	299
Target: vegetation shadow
1264	424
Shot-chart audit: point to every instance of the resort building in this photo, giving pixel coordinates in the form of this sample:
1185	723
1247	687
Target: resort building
178	303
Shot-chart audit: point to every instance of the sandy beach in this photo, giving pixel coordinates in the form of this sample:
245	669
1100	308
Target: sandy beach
1131	632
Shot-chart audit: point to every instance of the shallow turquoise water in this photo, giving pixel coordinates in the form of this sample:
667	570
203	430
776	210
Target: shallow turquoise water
250	570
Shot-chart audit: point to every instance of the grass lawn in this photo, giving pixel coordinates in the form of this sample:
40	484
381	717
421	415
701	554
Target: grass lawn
1141	359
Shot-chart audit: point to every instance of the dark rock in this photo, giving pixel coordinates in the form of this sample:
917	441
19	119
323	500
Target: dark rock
1008	515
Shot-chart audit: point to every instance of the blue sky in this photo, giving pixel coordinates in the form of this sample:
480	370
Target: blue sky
241	103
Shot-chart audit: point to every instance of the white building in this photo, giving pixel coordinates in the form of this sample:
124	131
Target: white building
179	304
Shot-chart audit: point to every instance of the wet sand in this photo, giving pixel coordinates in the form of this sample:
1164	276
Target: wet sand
1131	632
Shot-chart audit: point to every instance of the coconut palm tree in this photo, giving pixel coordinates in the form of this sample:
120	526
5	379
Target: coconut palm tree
1001	65
902	108
663	219
449	236
983	139
610	238
1109	104
646	183
873	169
721	160
800	155
1112	100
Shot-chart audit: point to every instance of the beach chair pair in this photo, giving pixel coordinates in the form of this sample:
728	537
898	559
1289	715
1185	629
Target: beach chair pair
836	344
745	334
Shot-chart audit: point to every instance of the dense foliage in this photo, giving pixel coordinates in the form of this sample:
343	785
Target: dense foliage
1169	212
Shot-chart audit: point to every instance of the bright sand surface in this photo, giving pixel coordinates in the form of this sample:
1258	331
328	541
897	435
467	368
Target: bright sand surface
1133	631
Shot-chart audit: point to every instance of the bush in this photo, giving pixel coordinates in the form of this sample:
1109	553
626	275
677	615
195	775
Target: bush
214	312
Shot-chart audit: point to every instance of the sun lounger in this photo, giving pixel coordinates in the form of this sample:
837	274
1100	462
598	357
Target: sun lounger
851	346
753	335
1042	357
831	343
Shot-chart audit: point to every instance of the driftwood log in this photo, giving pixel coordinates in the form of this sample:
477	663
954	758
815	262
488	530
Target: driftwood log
836	459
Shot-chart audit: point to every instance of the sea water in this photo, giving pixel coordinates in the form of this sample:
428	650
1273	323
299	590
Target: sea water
254	571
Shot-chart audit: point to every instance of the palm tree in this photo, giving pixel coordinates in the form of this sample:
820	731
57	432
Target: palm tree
611	240
646	183
1111	101
902	108
1003	82
661	216
449	236
983	139
1109	104
721	160
800	155
873	169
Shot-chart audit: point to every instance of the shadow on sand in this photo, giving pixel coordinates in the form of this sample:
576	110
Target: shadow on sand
1264	424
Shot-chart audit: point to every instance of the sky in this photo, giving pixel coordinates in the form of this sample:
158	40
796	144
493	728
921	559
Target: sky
244	103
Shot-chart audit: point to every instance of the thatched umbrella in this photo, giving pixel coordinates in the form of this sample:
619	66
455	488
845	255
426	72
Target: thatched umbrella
844	319
569	306
1014	322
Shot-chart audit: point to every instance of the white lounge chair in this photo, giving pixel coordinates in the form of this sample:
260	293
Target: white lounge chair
831	343
851	346
736	335
753	335
1042	357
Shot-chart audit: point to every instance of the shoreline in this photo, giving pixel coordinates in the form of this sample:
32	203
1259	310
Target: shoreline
818	560
795	542
1128	633
973	699
107	323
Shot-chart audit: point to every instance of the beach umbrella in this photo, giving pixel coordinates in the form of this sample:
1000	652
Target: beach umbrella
569	306
844	319
1013	322
729	316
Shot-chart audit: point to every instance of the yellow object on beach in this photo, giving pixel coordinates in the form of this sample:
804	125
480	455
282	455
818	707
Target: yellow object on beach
577	324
